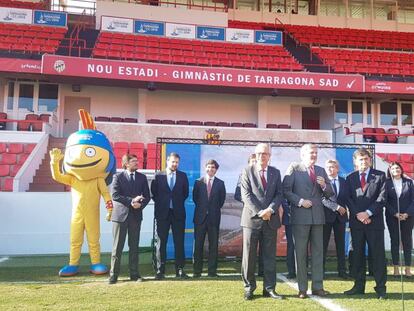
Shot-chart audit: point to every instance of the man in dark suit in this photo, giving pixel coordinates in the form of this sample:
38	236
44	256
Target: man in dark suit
209	194
366	200
303	186
169	192
261	191
336	217
130	195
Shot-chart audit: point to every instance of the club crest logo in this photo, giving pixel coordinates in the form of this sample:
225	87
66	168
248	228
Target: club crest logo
59	66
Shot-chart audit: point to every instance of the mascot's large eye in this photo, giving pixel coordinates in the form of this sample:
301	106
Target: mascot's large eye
90	152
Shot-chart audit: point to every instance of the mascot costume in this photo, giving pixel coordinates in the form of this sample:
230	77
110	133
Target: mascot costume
88	167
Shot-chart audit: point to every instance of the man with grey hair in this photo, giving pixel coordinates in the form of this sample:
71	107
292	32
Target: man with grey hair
261	191
303	186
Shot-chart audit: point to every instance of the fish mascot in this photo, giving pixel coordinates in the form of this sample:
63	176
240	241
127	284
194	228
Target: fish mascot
88	167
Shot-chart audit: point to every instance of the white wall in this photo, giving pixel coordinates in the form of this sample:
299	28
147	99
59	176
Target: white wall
201	106
156	13
39	223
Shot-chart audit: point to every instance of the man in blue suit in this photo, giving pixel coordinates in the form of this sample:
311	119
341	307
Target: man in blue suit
336	216
169	192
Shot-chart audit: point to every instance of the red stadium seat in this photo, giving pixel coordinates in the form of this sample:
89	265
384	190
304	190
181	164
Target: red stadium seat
14	169
368	130
130	120
198	123
28	148
102	119
116	119
15	148
3	147
393	157
154	121
4	170
236	124
22	159
8	158
380	138
223	124
8	184
183	122
210	123
406	157
271	126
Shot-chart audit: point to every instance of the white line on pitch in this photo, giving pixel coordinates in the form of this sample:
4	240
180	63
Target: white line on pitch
3	259
325	302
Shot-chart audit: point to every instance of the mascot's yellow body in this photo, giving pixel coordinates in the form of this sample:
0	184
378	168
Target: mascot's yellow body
88	165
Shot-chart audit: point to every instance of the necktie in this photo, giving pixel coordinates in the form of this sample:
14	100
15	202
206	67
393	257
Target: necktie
262	177
312	173
131	178
363	181
172	181
209	188
334	186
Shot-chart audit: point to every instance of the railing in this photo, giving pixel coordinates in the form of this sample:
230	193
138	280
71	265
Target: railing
84	7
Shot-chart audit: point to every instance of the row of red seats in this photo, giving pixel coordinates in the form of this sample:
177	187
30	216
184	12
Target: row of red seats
397	157
317	35
146	158
30	39
197	51
194	52
116	119
40	5
201	123
407	165
371	134
369	62
250	25
201	61
278	126
12	157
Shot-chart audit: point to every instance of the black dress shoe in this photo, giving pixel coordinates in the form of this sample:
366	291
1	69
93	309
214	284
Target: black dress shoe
113	279
272	294
355	291
181	274
213	275
291	276
320	292
136	278
382	296
343	275
248	295
160	276
197	275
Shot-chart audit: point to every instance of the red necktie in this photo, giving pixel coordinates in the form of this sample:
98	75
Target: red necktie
312	173
363	181
209	187
262	177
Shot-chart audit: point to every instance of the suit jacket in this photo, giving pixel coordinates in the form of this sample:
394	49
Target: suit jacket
255	198
206	207
123	192
371	198
162	195
332	203
298	185
406	199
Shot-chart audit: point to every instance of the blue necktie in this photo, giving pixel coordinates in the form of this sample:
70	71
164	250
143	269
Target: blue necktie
172	181
334	186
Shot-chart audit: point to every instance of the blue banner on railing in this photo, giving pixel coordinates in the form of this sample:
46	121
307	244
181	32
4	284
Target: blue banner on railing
268	37
48	18
210	33
149	28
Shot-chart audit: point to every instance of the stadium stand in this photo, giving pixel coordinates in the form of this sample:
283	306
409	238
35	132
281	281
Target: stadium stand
367	62
40	5
31	39
12	157
193	52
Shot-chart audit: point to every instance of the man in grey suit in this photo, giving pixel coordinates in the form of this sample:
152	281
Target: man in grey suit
130	193
303	186
261	191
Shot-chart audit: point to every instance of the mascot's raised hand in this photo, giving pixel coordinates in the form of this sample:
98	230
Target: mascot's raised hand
88	167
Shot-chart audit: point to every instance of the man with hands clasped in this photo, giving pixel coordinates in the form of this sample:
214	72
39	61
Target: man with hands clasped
130	193
366	200
261	192
304	185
